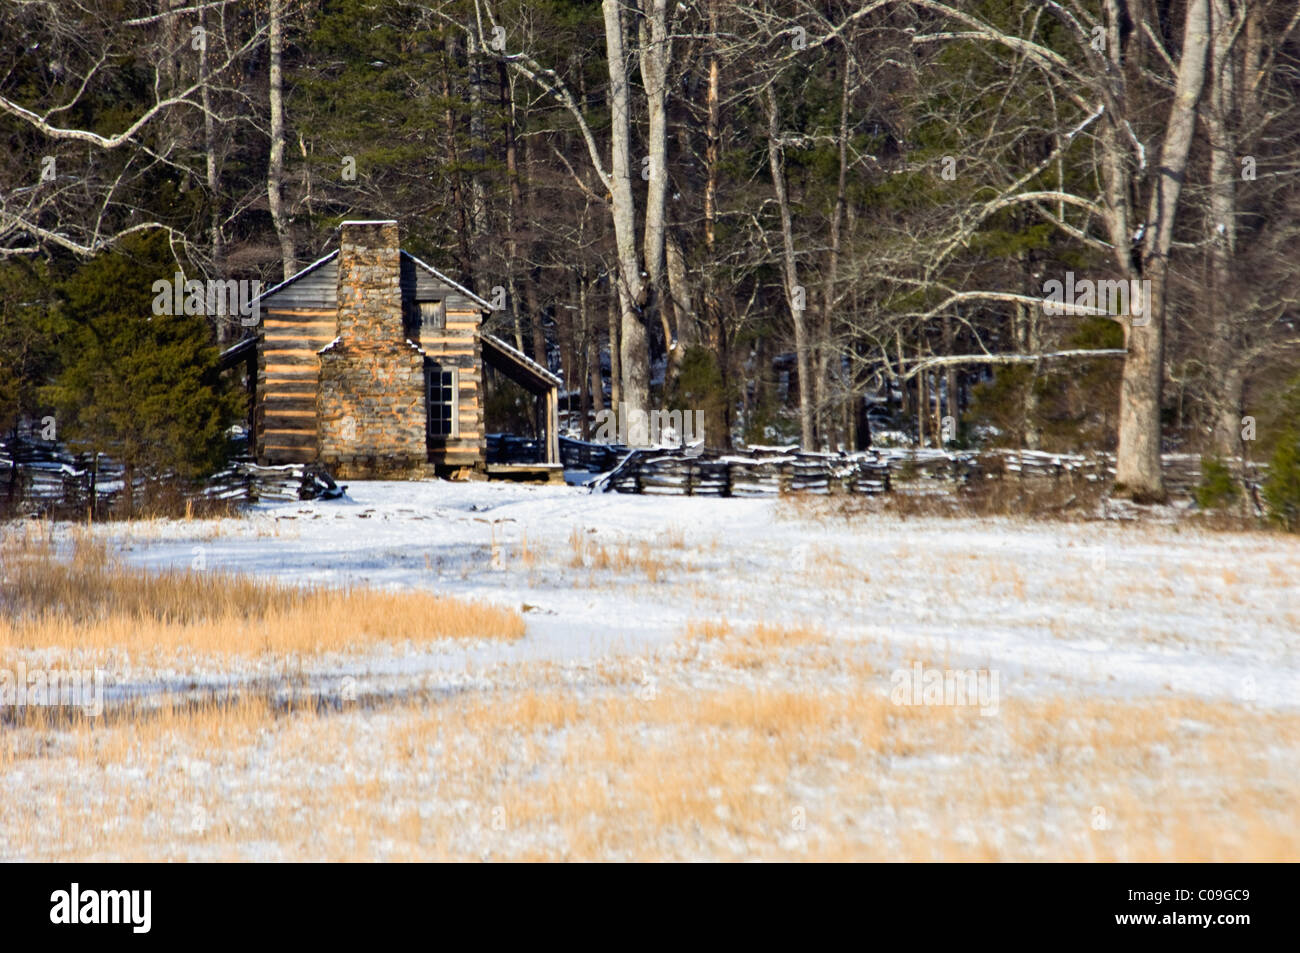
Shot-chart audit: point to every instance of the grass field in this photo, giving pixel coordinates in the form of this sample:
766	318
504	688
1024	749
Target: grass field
463	709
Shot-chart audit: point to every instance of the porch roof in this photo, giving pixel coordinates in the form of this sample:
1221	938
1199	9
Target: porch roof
517	366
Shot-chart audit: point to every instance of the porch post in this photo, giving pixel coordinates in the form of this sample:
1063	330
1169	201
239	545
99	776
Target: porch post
552	426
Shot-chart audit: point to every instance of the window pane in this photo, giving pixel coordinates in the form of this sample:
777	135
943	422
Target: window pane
442	402
433	316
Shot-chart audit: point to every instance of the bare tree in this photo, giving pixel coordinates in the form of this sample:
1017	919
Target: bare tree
275	165
795	294
86	211
1248	116
1141	180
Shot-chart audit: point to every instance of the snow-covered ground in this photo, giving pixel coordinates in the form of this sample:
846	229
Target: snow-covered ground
698	679
1054	607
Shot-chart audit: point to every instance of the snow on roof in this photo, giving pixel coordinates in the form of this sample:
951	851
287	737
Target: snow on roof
522	358
239	348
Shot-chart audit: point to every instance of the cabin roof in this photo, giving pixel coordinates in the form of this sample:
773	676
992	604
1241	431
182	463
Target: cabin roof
317	285
240	351
516	365
447	281
303	273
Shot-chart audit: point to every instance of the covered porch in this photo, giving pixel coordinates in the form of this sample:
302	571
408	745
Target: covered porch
534	458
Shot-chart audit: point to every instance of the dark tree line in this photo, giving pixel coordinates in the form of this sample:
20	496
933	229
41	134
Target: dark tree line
810	220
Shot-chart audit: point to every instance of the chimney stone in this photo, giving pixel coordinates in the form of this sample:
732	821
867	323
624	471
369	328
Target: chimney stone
369	292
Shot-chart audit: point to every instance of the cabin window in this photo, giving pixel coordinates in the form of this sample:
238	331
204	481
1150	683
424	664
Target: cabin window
433	315
443	388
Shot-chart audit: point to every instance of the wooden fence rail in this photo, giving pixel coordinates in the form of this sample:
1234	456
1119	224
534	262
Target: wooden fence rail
759	471
40	478
766	471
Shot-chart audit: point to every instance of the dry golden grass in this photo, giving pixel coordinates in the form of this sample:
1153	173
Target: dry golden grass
749	741
731	773
757	636
755	646
95	606
587	552
708	630
691	768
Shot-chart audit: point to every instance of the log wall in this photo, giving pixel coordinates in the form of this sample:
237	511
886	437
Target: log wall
288	369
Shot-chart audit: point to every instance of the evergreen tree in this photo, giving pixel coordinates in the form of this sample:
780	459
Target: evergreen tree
26	348
140	387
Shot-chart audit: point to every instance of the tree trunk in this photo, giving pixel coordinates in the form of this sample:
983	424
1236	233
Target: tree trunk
1222	225
128	487
712	155
591	342
922	403
655	50
949	382
679	302
477	139
715	332
632	294
225	323
531	304
463	226
514	202
540	354
565	338
615	373
275	173
833	260
1137	466
793	293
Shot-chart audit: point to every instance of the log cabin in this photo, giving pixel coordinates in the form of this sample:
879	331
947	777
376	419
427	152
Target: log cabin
371	363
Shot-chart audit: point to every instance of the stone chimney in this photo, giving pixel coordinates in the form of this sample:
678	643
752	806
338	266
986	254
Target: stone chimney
369	293
371	413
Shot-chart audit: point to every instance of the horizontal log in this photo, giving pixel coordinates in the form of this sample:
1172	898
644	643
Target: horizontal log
295	312
307	342
296	359
289	440
287	402
302	389
275	325
289	445
278	423
302	346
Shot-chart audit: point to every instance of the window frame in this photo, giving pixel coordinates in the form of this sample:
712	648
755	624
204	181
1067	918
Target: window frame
434	372
437	311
